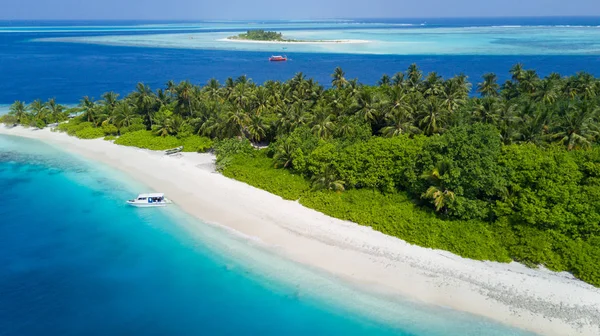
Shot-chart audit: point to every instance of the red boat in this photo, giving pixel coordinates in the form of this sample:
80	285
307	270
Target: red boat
278	58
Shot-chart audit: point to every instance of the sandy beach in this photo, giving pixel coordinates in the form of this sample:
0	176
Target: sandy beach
227	39
541	301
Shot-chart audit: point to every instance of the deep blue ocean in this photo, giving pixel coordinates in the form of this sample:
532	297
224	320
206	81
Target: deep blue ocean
75	260
69	71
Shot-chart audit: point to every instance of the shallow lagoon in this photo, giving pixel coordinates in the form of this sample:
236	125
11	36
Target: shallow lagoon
390	40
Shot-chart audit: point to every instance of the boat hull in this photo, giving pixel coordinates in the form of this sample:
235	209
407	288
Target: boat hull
148	205
278	58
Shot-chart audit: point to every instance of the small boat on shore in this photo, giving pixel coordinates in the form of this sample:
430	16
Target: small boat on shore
278	58
149	200
174	150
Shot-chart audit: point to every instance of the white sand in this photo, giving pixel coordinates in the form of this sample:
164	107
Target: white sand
537	300
227	39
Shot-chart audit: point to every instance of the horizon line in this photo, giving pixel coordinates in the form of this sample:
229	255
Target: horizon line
315	19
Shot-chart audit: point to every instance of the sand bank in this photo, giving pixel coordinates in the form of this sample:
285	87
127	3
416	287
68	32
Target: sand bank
227	39
537	300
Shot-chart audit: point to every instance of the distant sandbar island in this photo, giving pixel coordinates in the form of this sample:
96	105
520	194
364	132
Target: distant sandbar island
262	36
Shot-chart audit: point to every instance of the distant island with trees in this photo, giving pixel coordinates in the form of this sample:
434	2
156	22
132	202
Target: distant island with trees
260	35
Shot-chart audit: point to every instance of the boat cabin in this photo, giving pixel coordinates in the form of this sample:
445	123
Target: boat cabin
150	198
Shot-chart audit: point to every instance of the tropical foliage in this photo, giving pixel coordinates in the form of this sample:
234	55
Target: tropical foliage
260	35
510	172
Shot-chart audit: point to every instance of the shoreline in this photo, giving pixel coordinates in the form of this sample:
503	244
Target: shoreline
536	300
229	39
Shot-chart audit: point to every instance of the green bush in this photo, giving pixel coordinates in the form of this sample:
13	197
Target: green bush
396	215
145	139
110	137
227	148
89	133
196	144
257	170
110	129
72	126
8	119
132	128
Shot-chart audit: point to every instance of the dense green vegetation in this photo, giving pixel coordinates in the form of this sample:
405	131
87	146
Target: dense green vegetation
511	173
145	139
260	35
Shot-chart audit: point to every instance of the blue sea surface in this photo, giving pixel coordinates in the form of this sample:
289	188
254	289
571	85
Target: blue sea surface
76	260
31	68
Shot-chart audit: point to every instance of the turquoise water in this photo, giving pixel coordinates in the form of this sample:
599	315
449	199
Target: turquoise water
372	38
76	260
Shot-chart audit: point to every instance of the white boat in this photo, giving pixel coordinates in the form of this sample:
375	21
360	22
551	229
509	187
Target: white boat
149	200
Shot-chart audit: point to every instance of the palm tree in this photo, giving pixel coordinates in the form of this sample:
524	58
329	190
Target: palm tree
88	109
546	92
298	81
586	85
576	127
163	98
431	116
167	123
290	118
39	110
534	123
242	96
436	192
509	90
529	81
213	88
489	87
109	101
432	85
398	79
56	110
369	106
399	121
385	81
322	124
328	180
487	110
184	93
256	128
284	155
144	100
170	87
237	121
414	77
517	72
338	78
441	199
123	115
243	79
18	110
454	94
507	122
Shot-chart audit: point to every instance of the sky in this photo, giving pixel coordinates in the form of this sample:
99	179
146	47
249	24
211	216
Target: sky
302	9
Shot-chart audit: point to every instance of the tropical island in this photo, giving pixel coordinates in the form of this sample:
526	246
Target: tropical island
259	35
512	173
